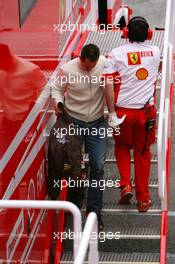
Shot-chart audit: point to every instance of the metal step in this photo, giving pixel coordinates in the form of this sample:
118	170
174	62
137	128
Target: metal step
123	258
121	232
113	208
112	39
110	158
153	182
129	209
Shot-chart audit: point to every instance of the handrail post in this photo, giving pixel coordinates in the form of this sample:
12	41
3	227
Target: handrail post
93	256
163	125
42	204
89	230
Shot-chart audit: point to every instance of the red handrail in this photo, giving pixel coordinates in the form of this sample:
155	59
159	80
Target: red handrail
164	223
48	238
61	224
164	230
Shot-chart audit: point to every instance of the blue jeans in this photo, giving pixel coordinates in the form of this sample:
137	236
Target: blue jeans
95	145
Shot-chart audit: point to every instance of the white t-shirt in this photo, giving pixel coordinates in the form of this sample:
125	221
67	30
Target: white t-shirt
135	66
83	91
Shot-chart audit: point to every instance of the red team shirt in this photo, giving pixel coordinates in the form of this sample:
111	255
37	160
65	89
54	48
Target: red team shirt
135	67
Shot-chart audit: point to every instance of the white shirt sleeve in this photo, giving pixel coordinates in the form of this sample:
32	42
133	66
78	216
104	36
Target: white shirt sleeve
110	64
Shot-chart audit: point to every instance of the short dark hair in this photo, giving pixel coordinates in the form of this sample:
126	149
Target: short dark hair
90	52
137	29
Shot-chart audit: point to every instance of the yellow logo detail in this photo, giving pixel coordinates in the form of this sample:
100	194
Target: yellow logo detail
134	57
142	74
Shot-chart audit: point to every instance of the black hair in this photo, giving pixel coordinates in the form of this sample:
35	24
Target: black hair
90	52
137	29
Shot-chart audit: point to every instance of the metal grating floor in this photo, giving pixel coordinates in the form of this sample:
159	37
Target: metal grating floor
110	157
110	257
112	39
134	232
153	182
128	209
27	43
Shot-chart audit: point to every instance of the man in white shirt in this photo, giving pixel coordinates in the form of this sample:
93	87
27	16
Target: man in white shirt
134	67
80	88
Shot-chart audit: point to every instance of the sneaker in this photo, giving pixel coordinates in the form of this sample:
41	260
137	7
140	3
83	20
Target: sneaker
143	206
126	195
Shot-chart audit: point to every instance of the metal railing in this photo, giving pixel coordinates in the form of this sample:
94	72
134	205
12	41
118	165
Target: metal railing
164	128
33	137
41	204
81	240
89	238
165	121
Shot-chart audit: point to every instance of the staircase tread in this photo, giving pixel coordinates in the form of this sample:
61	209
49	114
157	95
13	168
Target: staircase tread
107	257
156	207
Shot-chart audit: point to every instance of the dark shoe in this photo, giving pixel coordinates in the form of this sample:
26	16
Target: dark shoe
126	195
143	206
77	196
80	204
100	224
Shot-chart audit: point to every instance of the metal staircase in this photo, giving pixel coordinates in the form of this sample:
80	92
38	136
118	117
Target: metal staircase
134	237
130	236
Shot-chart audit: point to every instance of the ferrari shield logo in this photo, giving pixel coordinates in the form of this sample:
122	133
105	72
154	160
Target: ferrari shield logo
134	58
